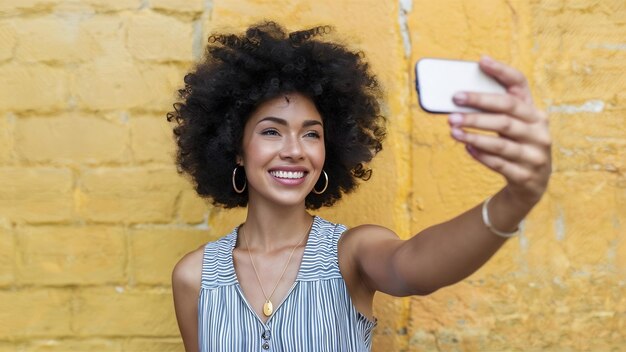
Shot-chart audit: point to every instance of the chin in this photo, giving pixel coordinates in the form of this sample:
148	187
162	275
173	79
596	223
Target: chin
282	198
289	201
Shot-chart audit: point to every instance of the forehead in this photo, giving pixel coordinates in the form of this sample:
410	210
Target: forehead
290	106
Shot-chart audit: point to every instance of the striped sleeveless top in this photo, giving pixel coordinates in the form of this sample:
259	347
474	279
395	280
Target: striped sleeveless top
316	315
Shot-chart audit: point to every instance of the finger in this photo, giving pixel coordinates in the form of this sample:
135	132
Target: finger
514	80
507	75
498	103
502	147
502	124
511	171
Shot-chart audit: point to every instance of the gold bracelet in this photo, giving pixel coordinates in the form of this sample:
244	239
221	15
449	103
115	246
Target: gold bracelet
491	228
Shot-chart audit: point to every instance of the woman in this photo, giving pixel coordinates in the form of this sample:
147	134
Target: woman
282	123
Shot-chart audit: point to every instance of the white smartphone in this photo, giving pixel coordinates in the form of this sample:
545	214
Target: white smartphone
437	80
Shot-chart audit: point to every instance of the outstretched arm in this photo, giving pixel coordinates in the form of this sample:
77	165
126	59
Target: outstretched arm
448	252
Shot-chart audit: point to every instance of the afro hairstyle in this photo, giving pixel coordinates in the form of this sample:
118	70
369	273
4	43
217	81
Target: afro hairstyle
239	72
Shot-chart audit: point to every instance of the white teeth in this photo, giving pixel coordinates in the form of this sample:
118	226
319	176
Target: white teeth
287	174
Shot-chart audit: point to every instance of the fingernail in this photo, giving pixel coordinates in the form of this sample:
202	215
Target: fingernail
487	60
460	98
457	133
455	119
470	149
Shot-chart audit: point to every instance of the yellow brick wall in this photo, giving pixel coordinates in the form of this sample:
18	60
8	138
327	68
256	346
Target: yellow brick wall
93	215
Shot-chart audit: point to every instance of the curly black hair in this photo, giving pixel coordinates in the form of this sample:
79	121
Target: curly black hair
239	72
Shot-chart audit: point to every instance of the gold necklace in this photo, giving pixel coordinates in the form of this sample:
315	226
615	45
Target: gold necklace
268	307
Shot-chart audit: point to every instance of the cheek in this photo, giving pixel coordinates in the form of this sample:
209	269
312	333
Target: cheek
258	153
319	157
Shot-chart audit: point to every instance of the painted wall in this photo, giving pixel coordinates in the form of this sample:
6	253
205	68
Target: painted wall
93	215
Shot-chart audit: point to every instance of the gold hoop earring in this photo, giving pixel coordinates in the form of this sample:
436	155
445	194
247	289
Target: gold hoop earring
235	184
325	186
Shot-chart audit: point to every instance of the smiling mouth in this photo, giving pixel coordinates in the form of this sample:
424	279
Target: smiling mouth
288	174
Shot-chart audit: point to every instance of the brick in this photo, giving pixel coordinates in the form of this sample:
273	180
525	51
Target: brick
155	251
422	341
619	223
147	32
152	140
129	194
74	345
118	5
7	125
389	338
156	344
111	83
127	312
36	194
587	306
223	221
582	56
7	257
22	82
192	209
457	306
15	7
71	139
589	141
6	346
54	38
108	31
164	81
127	85
460	340
12	7
35	313
89	255
178	5
8	40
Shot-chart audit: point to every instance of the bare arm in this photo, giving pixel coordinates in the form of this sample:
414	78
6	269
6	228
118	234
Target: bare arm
448	252
186	287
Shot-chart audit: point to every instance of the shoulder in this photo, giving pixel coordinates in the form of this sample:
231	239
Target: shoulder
372	252
188	271
367	234
365	241
365	245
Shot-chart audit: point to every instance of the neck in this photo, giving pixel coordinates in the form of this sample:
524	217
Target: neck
268	229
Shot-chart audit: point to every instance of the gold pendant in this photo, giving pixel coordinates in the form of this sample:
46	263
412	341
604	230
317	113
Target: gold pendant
268	308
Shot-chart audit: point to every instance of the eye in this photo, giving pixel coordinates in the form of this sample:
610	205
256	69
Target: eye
270	132
313	134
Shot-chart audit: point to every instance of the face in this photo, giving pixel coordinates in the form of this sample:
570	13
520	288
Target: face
283	150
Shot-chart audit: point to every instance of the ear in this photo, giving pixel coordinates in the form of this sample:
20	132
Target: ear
239	160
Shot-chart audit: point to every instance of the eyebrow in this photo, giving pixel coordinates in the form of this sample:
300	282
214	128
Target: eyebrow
284	122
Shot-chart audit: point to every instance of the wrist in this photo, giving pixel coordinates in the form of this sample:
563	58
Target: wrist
505	212
524	201
487	222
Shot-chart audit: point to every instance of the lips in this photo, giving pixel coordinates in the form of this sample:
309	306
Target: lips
289	176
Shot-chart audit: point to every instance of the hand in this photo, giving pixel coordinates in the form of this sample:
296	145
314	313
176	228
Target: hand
521	149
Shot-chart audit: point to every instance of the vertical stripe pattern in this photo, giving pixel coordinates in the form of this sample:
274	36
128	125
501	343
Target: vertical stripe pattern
316	315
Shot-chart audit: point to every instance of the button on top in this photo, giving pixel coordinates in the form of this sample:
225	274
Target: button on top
266	335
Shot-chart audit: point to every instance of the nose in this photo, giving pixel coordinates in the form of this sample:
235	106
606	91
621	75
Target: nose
292	148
